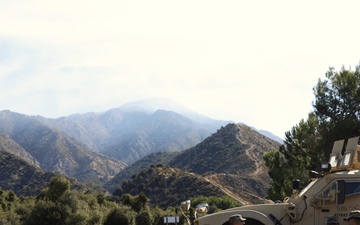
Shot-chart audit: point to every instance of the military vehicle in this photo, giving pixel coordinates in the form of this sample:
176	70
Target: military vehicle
333	192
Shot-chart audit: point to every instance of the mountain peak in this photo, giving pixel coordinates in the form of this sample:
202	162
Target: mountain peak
151	105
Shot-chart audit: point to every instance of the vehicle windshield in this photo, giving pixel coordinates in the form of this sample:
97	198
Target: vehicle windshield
307	188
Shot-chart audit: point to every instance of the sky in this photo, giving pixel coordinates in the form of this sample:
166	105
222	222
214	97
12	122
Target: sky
254	62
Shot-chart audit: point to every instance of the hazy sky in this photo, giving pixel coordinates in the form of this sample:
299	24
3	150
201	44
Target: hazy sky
248	61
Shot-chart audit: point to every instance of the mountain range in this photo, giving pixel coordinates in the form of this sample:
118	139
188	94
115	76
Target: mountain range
111	147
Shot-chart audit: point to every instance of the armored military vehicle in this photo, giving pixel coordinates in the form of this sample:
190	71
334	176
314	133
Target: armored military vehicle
333	192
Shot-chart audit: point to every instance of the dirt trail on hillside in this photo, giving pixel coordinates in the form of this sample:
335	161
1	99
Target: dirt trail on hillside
213	181
252	155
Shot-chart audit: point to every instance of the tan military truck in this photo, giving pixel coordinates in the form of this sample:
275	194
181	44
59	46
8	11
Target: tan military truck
333	192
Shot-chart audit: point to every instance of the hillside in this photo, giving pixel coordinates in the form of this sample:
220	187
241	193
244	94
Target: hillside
154	159
168	186
56	151
235	154
21	177
25	179
231	160
235	149
9	145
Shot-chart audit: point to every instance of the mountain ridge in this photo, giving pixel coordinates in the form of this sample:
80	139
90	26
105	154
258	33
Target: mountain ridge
230	159
228	152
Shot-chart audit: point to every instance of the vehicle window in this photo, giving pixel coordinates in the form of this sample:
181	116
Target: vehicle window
330	191
352	188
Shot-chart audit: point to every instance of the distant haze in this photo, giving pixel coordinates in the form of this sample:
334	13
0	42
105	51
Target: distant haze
246	61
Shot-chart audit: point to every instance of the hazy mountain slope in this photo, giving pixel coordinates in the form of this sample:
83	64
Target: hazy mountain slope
153	104
136	129
9	145
163	131
85	128
153	159
271	136
56	151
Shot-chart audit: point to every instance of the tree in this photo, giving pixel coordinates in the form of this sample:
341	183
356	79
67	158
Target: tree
278	172
57	205
8	201
336	115
140	203
337	105
119	216
144	218
57	187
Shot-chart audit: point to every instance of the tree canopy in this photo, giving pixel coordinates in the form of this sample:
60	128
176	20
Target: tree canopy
335	116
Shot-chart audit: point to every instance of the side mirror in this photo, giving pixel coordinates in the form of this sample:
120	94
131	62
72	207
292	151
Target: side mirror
296	184
202	208
341	192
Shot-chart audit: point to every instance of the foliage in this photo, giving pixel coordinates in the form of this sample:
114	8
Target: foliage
144	218
137	203
59	205
57	187
119	215
165	187
7	216
215	203
336	116
150	160
337	105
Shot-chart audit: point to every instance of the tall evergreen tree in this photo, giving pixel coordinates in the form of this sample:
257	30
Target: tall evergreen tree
336	115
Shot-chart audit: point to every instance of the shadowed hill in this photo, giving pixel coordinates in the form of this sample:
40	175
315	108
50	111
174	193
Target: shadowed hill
25	179
21	177
168	186
154	159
